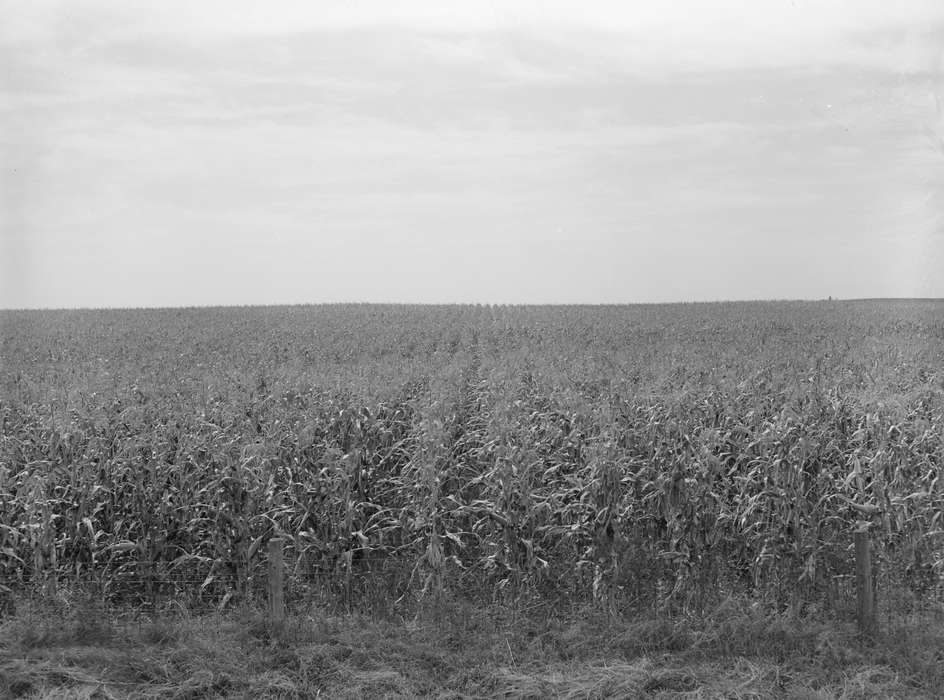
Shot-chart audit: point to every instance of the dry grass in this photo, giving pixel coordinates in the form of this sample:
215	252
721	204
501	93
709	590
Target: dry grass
748	655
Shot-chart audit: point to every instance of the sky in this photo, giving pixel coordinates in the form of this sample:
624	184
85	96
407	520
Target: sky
227	152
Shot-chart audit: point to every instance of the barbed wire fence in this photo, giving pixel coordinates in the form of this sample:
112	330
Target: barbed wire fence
284	583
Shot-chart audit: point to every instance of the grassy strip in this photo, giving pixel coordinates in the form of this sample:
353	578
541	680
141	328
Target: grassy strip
451	651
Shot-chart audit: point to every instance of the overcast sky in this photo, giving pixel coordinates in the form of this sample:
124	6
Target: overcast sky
220	152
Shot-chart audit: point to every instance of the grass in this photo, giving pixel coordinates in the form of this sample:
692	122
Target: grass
740	650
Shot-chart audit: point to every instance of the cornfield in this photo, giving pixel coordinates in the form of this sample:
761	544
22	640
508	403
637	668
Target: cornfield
650	455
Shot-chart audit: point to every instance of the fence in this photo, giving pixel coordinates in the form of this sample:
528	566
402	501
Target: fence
277	584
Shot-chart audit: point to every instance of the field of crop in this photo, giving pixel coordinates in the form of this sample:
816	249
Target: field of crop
626	457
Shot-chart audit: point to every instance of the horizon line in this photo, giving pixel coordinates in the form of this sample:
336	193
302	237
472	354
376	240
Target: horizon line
472	303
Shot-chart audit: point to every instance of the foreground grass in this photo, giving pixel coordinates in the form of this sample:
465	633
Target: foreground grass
738	651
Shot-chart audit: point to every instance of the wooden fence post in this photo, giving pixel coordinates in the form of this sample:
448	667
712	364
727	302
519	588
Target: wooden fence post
276	587
865	594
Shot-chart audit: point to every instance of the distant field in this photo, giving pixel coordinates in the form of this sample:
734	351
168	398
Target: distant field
663	455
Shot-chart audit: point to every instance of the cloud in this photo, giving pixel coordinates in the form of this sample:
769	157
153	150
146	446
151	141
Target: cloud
743	153
686	34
